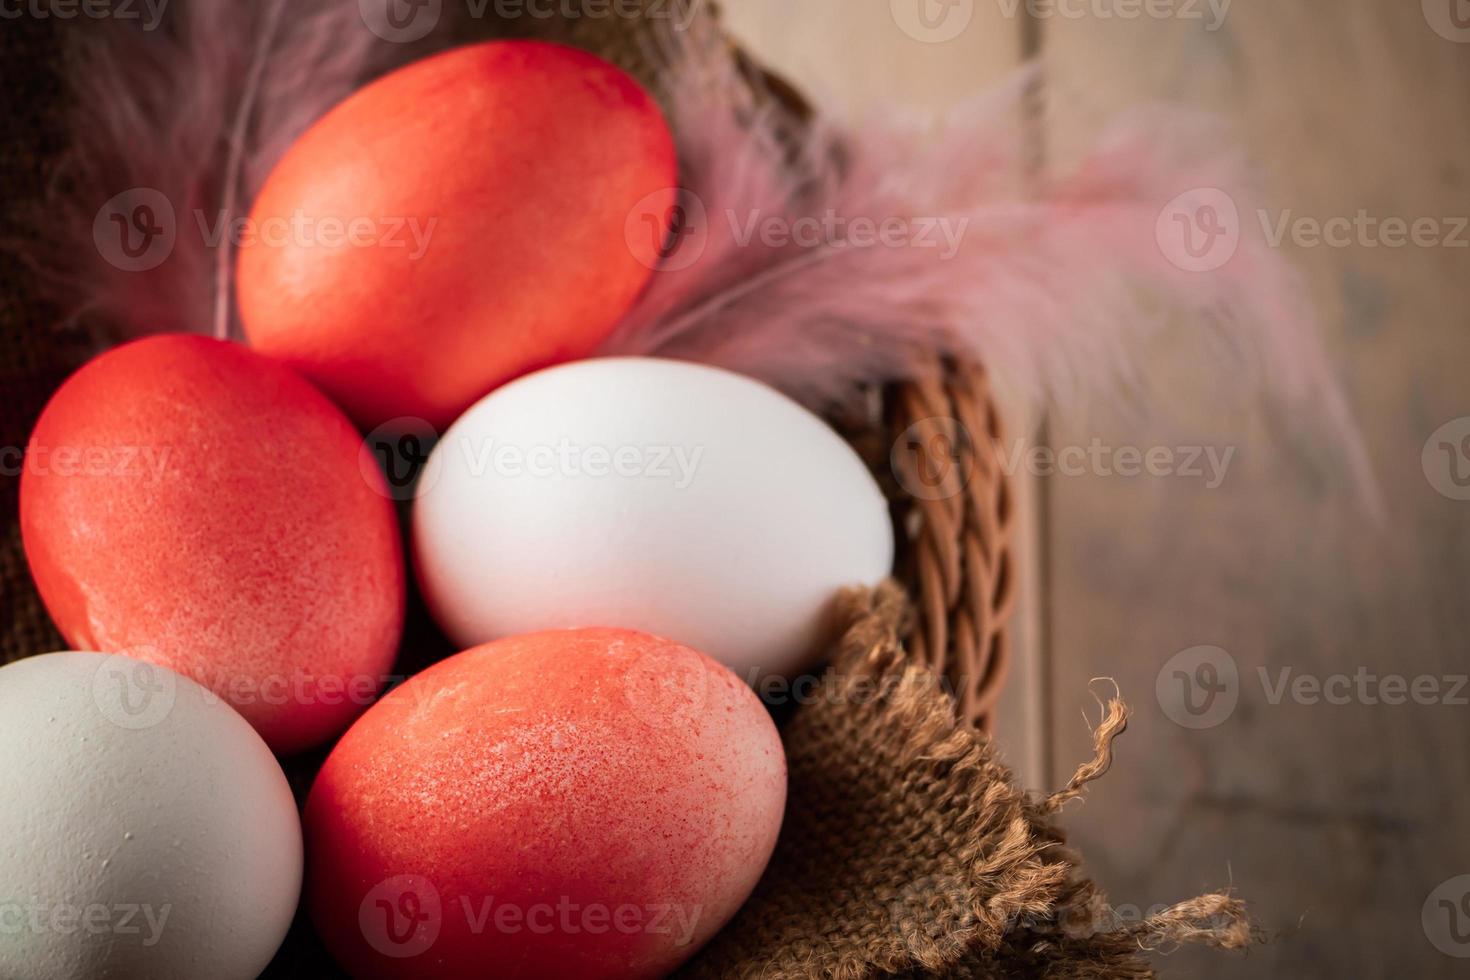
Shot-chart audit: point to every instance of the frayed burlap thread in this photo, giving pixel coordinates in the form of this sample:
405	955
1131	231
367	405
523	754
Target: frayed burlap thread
909	851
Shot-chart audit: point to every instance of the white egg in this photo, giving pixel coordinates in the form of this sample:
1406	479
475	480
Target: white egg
145	829
655	495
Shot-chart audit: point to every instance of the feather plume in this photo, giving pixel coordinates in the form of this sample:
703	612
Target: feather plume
778	267
816	255
173	129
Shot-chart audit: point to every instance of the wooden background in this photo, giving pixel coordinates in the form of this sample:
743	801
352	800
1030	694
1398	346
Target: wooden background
1339	822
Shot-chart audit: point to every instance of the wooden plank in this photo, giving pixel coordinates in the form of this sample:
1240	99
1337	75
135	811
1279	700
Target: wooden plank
862	55
883	52
1338	821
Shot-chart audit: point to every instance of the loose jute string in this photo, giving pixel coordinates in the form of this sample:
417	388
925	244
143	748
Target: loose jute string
909	851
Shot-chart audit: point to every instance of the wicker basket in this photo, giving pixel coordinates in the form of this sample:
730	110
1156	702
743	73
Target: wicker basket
959	564
908	850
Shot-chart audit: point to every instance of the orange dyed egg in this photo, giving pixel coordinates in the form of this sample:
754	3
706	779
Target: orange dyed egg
194	504
588	803
458	223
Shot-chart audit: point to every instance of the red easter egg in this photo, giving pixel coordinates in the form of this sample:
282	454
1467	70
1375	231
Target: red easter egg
458	223
192	503
586	803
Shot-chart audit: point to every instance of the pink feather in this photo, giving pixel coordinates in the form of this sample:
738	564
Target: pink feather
1055	286
198	110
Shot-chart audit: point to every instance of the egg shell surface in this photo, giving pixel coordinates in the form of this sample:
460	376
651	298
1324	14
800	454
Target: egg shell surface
195	504
592	804
494	188
656	495
146	831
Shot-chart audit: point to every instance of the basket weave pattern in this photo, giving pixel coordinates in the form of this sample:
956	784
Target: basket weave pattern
959	566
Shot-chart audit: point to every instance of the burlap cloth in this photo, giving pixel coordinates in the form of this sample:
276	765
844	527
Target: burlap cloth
908	850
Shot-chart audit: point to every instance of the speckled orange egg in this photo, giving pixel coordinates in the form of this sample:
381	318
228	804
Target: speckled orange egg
455	224
192	503
590	803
